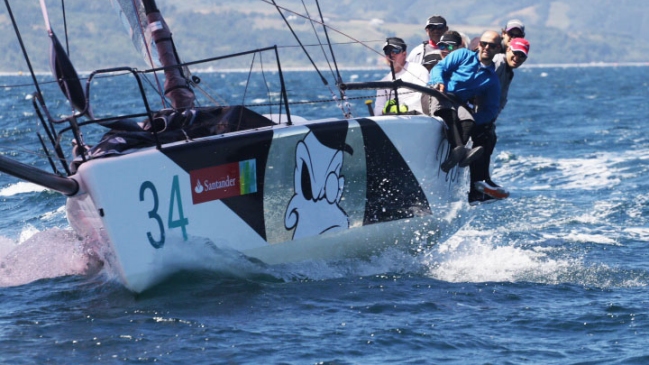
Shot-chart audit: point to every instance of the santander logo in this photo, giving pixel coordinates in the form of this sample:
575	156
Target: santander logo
207	185
224	181
199	187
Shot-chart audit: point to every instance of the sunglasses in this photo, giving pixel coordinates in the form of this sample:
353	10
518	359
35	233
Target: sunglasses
394	51
516	35
491	45
446	47
520	54
436	26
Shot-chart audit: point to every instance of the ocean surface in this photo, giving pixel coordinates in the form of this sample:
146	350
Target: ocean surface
556	274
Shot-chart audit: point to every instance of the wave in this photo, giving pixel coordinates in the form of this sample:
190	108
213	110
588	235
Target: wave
473	255
48	254
21	188
481	256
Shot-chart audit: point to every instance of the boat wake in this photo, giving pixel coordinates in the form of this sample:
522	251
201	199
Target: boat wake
473	256
42	255
470	256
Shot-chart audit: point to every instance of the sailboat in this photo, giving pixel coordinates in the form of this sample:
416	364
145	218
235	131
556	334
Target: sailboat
163	188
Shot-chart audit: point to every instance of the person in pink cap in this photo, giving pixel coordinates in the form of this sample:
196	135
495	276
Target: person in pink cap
482	187
515	55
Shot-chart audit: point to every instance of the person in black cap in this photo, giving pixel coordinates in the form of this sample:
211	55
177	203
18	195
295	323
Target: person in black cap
449	42
408	101
435	28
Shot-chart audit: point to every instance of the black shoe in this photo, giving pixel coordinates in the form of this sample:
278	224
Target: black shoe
457	154
476	197
471	156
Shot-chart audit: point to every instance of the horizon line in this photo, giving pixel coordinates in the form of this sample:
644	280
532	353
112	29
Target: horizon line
371	68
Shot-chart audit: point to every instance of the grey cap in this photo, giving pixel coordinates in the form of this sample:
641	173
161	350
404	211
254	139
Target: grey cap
515	23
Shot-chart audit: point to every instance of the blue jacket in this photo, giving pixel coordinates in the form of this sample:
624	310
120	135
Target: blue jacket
463	75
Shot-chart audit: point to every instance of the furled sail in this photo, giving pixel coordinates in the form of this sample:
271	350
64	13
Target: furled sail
133	17
151	35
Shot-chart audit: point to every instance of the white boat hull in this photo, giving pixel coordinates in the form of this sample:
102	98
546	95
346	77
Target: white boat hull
319	190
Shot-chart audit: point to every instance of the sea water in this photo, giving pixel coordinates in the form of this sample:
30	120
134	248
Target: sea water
556	274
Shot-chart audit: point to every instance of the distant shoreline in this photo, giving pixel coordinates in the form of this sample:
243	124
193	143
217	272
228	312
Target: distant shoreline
302	69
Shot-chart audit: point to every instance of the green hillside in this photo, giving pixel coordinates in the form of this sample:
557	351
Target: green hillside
559	31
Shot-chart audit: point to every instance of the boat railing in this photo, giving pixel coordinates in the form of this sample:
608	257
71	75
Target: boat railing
75	122
284	97
396	84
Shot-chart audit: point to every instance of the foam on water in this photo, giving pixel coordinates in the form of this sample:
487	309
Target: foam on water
484	256
48	254
470	256
588	173
473	257
594	171
21	188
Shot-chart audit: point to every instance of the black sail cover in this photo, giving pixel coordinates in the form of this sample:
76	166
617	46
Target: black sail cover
173	126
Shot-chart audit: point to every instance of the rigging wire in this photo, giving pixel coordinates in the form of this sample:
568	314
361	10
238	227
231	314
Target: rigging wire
268	93
245	90
355	41
333	56
22	46
315	32
65	28
347	113
326	26
322	78
339	80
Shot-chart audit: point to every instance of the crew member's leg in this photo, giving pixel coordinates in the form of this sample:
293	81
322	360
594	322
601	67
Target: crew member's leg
485	136
467	126
459	122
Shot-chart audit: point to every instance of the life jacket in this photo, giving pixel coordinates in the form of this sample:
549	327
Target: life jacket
430	55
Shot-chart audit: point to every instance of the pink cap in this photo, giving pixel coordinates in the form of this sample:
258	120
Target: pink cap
520	44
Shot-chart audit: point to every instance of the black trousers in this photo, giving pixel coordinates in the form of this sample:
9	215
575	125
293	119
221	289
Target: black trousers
483	135
458	131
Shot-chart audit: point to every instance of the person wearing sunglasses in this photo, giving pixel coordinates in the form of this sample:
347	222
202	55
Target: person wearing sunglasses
505	63
449	42
482	187
462	76
404	100
435	28
514	29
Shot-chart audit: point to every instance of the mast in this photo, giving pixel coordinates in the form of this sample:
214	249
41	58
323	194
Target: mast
176	87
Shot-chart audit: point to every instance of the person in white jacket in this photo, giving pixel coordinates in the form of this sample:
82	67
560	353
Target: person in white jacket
435	28
409	100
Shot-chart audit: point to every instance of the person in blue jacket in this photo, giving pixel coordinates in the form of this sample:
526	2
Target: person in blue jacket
471	95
